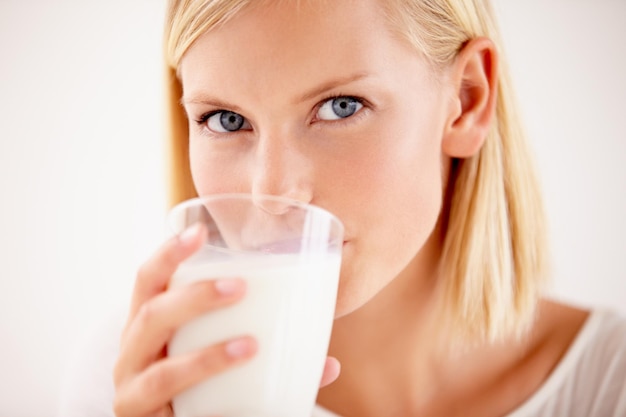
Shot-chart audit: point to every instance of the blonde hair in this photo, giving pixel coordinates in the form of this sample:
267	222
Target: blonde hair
494	258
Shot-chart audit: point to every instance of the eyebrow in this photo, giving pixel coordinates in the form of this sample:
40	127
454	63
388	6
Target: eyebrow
329	85
211	101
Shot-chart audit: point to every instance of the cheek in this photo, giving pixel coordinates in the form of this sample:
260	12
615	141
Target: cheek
392	199
396	168
214	171
403	193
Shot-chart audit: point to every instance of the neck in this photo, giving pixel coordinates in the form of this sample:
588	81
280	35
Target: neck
393	332
394	361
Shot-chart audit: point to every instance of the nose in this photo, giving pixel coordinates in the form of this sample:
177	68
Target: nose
283	169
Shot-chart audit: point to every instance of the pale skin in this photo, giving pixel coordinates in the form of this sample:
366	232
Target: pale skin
328	106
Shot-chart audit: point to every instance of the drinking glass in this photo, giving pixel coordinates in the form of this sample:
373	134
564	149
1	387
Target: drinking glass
289	253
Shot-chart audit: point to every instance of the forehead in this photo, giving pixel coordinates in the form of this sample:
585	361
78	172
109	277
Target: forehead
293	39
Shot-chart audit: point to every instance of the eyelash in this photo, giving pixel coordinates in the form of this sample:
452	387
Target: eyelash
335	96
205	117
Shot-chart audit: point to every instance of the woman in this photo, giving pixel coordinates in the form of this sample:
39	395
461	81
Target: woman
398	117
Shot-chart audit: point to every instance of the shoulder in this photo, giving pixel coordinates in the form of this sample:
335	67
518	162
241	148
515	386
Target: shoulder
87	386
600	343
611	328
599	375
604	356
590	378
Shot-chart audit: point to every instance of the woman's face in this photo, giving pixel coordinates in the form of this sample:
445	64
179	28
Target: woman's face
325	105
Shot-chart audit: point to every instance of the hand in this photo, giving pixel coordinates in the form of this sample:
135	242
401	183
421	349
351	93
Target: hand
145	379
331	371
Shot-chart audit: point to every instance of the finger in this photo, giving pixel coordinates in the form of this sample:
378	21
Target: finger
332	369
166	411
153	389
162	412
153	276
160	317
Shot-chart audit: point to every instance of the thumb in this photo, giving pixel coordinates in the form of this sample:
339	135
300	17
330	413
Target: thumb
332	368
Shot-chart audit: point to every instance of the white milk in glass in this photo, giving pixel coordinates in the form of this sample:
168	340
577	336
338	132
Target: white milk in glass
289	308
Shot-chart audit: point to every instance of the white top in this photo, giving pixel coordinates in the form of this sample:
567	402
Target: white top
590	380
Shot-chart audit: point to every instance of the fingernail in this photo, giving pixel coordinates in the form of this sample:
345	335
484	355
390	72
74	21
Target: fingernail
190	234
239	348
228	287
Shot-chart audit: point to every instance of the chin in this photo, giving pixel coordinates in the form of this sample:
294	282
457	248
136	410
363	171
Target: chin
351	295
343	309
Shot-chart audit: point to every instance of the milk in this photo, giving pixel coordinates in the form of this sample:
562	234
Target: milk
288	308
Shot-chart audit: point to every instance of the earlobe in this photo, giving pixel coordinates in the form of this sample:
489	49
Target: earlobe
474	76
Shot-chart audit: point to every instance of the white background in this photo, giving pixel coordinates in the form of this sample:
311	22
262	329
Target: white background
81	163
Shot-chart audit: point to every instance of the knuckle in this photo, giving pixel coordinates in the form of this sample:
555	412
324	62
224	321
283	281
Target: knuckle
196	298
211	360
146	313
203	291
156	382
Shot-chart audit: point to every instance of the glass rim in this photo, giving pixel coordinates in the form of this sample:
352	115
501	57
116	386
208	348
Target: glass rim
247	196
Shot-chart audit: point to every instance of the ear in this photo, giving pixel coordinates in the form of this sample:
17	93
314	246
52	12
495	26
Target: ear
474	75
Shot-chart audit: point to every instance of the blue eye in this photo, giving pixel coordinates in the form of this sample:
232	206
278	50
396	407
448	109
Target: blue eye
226	121
339	108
